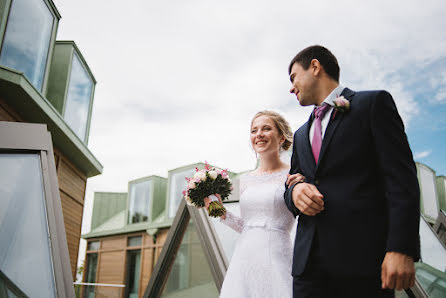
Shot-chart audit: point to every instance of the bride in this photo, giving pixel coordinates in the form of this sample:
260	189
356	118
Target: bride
261	263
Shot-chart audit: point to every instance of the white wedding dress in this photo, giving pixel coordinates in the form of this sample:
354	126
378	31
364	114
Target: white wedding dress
262	259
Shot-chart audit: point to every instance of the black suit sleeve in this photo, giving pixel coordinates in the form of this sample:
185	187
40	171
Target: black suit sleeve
399	174
295	168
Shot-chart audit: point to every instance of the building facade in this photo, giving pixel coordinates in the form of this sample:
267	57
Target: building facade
49	82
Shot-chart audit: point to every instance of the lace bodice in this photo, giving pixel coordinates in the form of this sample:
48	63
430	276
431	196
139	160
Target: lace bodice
261	203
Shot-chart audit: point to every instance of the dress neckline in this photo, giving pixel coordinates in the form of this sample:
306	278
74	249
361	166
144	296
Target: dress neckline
251	174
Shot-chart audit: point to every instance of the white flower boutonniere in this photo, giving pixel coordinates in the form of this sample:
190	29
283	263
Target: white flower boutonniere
340	104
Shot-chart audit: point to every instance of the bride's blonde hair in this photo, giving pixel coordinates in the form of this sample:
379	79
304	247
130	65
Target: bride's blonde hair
281	124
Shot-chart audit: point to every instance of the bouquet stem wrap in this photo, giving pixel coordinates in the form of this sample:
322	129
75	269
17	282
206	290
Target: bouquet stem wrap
216	209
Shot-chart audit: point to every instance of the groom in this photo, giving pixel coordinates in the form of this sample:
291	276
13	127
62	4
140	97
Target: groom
359	207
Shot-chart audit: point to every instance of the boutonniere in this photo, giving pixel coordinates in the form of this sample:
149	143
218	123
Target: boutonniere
340	104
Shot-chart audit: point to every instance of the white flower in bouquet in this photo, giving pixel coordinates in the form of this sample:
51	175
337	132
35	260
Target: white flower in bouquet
200	175
213	175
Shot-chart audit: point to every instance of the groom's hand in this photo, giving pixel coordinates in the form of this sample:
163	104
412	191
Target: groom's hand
308	199
397	271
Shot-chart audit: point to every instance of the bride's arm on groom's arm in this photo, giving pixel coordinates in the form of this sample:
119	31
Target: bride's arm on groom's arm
295	168
402	193
301	197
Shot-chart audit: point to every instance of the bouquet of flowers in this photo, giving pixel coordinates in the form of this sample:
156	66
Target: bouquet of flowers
208	182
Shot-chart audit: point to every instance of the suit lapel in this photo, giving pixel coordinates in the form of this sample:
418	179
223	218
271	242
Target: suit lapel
333	124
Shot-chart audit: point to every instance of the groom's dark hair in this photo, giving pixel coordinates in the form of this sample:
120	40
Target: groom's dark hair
323	55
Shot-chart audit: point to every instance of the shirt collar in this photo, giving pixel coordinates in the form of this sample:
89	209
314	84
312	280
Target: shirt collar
333	95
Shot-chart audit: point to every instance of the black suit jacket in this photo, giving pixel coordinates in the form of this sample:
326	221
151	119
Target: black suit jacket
368	178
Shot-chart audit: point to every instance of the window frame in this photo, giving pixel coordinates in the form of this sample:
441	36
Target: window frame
76	53
5	13
171	175
150	203
18	137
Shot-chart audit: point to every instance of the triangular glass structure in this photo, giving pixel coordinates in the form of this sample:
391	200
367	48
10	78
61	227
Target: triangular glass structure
25	256
192	262
34	260
190	275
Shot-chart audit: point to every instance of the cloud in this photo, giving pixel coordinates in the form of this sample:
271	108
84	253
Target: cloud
422	154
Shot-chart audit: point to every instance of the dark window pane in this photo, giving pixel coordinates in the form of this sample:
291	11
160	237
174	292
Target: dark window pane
134	241
133	269
94	245
90	277
26	43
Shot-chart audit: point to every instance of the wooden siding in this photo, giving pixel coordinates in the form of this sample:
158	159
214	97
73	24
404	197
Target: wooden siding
71	180
110	260
72	184
72	211
146	269
114	243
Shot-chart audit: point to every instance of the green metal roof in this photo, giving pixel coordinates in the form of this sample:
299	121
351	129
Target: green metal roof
151	228
105	206
29	103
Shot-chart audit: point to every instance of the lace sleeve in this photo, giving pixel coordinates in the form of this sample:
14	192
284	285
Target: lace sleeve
233	221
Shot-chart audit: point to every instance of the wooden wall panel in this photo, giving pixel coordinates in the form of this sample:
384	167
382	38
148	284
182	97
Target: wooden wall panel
114	243
161	237
147	240
72	212
112	267
71	181
146	269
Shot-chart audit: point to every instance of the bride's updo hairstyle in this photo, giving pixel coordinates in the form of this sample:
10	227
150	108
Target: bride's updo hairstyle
281	124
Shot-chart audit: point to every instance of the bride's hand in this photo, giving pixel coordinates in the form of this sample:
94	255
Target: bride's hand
295	178
207	202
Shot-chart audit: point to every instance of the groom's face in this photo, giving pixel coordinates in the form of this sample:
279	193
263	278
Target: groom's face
303	84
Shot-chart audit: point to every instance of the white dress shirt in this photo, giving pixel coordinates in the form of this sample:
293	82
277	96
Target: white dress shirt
330	101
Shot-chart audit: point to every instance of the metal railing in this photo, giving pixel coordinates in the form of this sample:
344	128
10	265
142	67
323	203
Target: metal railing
98	290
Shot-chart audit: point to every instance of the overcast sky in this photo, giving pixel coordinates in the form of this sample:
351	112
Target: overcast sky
179	81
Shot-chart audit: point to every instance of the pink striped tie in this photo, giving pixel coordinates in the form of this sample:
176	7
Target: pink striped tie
316	145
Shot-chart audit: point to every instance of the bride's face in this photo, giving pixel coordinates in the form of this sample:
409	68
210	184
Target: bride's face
265	136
